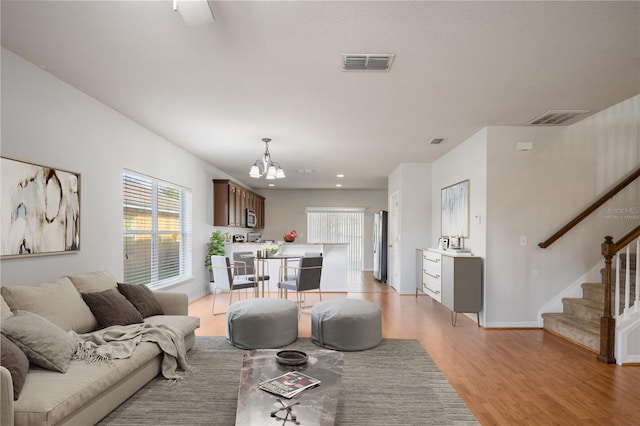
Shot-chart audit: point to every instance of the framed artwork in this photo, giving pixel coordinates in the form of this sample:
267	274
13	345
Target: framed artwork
455	210
39	209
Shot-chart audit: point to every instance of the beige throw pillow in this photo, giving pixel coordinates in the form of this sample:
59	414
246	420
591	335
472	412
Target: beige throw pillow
5	310
93	281
57	301
43	342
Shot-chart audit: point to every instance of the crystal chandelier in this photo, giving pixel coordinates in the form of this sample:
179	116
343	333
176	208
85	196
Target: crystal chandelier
265	166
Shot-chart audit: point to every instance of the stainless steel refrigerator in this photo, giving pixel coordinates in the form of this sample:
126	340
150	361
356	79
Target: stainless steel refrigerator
380	246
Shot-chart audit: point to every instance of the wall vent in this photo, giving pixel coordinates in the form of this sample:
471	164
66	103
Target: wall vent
558	117
366	62
436	141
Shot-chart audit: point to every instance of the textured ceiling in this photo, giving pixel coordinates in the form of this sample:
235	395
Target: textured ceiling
272	69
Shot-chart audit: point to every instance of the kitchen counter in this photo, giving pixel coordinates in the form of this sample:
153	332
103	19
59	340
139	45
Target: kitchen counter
334	263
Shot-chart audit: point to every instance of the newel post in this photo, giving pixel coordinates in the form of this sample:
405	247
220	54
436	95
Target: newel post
607	322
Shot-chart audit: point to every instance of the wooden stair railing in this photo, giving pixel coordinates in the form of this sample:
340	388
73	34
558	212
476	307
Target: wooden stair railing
599	202
608	321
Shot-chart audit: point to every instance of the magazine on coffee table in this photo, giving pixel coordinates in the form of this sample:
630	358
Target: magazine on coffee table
289	384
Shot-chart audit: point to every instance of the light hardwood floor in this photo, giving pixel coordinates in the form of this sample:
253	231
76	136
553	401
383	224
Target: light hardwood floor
506	377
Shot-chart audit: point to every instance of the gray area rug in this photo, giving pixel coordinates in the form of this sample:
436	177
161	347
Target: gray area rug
395	383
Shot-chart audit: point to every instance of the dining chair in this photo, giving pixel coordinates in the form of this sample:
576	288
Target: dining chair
225	278
297	262
245	265
307	277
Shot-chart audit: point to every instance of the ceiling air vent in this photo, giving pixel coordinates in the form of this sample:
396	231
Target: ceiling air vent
436	141
366	62
558	117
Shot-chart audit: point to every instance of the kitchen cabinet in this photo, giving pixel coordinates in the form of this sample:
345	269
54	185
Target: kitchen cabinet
453	279
230	202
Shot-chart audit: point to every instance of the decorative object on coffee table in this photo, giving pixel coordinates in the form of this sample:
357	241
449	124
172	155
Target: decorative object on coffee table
291	357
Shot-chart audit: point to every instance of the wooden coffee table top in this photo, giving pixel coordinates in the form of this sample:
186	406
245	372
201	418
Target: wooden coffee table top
316	406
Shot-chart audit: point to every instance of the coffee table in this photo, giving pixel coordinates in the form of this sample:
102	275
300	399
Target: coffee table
315	406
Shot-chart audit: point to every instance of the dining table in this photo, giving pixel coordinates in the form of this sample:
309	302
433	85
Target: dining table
261	267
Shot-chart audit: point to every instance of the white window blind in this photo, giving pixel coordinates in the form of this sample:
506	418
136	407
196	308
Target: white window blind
338	225
156	230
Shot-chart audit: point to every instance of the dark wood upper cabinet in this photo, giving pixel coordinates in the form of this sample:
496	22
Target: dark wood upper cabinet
230	202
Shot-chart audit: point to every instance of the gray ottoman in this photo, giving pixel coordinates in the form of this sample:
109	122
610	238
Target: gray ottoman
346	324
262	323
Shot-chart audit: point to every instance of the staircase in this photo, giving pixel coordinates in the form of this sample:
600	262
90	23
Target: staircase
579	321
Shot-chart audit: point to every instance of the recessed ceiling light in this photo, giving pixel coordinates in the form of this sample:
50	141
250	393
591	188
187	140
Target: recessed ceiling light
338	185
272	184
340	176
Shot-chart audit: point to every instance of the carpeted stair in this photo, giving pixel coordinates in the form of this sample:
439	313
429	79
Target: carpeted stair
579	321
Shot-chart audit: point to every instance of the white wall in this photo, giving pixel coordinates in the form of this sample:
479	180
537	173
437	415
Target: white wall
532	194
466	161
412	182
48	122
285	210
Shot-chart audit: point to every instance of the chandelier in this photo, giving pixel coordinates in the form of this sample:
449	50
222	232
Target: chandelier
265	166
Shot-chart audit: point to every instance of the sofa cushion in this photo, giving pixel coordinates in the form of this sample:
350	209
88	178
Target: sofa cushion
14	360
112	308
43	342
49	397
57	301
93	281
5	310
142	298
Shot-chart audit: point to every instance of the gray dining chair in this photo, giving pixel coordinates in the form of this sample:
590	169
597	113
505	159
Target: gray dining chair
244	263
225	278
306	277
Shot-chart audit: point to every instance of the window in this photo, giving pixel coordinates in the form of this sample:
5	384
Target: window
156	230
338	225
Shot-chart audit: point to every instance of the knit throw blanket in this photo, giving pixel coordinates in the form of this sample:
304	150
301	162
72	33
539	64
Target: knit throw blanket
119	342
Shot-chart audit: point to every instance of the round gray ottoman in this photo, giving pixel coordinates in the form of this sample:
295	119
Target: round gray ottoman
262	323
346	324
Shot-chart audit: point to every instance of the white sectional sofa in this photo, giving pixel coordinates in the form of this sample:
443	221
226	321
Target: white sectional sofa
86	392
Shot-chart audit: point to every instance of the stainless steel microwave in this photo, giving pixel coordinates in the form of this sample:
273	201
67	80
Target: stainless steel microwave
252	219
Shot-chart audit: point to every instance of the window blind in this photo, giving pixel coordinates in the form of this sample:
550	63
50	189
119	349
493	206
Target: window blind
157	230
338	225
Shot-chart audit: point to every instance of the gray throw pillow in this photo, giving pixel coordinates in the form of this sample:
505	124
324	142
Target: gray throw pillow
14	360
43	342
142	298
111	308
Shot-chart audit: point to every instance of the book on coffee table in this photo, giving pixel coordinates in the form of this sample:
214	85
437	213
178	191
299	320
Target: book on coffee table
289	384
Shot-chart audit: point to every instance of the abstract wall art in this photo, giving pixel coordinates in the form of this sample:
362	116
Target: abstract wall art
455	210
39	208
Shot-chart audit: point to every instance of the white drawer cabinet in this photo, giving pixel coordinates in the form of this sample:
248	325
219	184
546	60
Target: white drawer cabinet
432	275
453	280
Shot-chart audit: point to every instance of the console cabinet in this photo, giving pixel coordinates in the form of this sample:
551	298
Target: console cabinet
230	202
455	280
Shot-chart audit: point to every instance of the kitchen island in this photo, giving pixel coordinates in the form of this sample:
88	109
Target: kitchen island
334	262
